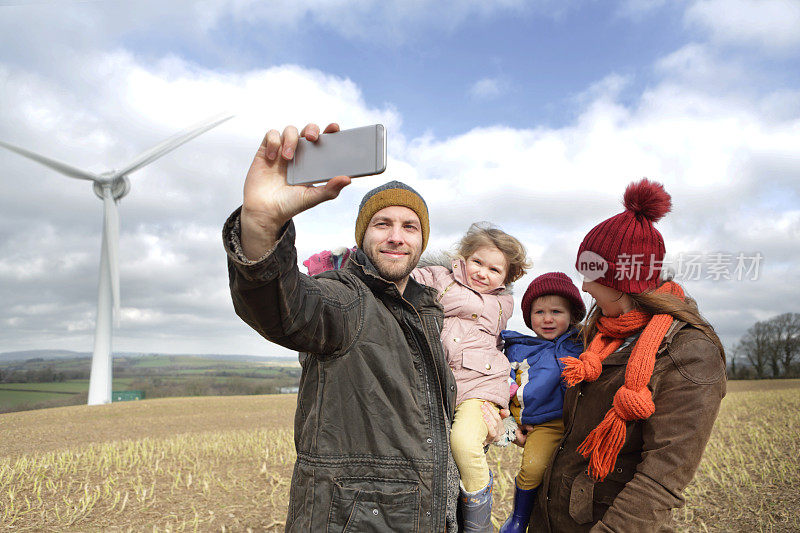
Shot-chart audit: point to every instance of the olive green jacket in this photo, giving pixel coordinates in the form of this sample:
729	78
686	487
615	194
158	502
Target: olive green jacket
376	395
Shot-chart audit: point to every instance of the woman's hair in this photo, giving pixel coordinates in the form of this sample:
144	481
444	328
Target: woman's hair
485	234
655	303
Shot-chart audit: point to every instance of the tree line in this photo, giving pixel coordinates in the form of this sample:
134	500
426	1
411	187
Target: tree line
770	348
40	375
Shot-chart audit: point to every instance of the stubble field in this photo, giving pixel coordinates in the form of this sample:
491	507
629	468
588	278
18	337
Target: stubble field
224	464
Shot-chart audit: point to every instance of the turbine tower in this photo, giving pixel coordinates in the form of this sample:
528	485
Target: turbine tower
110	187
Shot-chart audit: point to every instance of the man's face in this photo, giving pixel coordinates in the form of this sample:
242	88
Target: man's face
393	242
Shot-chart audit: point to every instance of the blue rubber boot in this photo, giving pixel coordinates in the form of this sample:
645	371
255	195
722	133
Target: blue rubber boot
521	515
475	509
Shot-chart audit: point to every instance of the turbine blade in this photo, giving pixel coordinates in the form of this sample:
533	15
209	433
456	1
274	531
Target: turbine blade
172	143
111	220
63	168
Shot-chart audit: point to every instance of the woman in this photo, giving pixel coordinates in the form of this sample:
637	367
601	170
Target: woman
643	396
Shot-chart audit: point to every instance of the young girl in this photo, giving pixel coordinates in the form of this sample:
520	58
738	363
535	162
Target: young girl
477	306
552	308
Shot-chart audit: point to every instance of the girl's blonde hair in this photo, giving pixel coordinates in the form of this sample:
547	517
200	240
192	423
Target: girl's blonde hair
485	234
656	304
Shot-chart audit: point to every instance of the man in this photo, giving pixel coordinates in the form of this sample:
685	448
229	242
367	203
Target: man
376	395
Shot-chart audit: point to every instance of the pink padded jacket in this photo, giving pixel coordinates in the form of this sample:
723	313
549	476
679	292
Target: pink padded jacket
471	333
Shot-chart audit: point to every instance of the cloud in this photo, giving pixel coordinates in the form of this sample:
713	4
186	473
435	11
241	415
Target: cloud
173	274
608	89
726	152
725	162
212	29
697	64
487	88
768	24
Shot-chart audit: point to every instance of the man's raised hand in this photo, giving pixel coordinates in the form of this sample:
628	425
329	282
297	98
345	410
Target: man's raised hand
269	202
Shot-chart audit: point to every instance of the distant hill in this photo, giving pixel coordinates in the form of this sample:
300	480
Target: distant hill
50	355
50	378
47	355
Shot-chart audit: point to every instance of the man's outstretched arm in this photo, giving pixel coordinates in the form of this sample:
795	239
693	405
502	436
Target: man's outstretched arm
269	202
268	291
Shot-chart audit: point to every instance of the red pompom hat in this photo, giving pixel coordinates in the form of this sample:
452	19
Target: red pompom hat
626	252
556	283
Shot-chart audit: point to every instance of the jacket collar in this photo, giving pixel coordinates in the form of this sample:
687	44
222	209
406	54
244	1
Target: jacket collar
360	265
420	296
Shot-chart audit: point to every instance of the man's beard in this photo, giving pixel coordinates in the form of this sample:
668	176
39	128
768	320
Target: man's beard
391	271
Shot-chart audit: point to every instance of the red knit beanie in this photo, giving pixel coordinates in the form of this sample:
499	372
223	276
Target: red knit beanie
556	283
626	251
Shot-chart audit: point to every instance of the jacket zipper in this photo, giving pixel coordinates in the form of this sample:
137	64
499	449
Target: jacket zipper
437	460
439	298
437	445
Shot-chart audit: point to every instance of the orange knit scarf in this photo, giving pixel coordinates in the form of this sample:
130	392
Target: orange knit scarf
633	401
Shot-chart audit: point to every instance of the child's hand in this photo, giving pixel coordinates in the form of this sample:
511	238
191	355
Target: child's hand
522	434
494	423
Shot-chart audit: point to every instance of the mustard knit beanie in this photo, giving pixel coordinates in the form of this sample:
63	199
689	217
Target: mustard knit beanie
389	194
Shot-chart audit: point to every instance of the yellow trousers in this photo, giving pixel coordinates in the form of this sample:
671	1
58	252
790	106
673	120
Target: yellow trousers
539	448
466	442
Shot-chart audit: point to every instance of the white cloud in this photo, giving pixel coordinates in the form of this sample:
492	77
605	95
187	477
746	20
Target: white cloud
699	64
605	90
768	24
91	25
726	164
548	186
727	155
487	88
173	276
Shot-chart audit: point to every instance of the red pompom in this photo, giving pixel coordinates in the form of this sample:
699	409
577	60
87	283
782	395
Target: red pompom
647	199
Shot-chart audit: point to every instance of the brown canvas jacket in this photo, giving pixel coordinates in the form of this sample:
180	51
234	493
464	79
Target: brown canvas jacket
376	396
660	454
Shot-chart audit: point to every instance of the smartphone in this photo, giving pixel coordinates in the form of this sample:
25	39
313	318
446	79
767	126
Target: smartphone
355	152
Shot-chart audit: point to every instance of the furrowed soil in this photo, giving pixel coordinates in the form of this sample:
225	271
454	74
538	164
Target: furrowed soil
224	464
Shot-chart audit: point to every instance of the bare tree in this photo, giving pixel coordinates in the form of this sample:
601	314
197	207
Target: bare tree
757	345
786	338
734	356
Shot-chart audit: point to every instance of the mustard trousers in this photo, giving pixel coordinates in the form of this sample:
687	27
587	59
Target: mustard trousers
539	447
466	443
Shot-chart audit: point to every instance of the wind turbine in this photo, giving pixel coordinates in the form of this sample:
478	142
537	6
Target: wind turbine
110	187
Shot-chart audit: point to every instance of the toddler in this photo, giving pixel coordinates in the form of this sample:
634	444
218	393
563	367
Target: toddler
472	290
551	307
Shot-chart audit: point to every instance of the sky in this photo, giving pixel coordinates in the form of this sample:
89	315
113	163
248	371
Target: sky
533	115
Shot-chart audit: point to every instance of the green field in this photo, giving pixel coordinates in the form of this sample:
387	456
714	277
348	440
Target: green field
157	375
72	386
13	398
16	394
224	464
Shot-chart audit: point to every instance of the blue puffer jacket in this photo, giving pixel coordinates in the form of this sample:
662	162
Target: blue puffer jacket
536	367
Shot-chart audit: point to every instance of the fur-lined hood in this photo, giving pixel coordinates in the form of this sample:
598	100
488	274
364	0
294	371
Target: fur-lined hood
445	259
